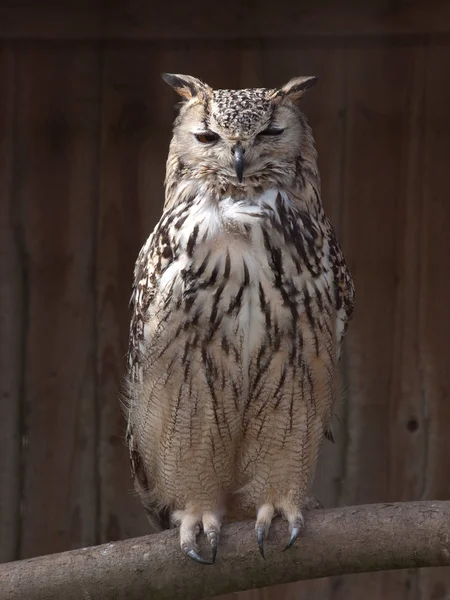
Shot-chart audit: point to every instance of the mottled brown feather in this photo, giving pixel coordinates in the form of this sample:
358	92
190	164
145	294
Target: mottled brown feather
241	300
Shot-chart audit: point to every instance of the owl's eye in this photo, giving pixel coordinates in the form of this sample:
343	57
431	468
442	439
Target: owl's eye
207	137
271	131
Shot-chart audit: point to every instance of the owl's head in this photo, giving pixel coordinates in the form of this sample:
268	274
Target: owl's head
239	135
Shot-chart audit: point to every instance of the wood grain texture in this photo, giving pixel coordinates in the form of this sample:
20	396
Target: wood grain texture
407	418
380	117
121	19
381	108
221	64
57	104
11	324
434	321
340	540
380	85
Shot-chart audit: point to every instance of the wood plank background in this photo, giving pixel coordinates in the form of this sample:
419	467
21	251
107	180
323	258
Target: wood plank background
199	19
84	130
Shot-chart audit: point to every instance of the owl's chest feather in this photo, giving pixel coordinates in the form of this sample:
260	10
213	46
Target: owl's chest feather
221	267
240	268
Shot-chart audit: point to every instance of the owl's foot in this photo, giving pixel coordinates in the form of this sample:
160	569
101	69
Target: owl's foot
290	512
263	521
294	517
294	533
191	524
192	553
211	526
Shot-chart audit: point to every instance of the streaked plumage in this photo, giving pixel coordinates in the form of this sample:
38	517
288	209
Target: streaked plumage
241	301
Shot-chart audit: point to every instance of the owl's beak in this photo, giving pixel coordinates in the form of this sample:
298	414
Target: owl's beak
239	161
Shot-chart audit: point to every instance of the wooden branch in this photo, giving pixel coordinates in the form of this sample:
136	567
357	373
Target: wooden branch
335	542
230	19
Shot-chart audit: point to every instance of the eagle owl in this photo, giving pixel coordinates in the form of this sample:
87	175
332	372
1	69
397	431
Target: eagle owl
241	300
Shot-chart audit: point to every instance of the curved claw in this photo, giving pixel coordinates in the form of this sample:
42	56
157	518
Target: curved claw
294	535
260	537
197	558
213	540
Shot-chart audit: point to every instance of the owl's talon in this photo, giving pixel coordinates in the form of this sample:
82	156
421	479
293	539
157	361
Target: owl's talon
213	540
195	556
263	520
260	535
212	523
294	535
214	553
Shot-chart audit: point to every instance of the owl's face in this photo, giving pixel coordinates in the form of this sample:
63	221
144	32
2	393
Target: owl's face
238	135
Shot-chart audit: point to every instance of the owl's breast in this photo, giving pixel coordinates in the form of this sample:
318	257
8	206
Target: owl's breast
239	273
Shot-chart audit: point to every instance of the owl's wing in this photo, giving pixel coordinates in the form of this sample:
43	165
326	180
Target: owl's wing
344	299
154	257
344	289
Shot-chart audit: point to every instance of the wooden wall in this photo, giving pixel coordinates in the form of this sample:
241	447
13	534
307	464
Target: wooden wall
84	129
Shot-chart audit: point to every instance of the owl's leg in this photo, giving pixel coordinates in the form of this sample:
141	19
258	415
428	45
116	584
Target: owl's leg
293	515
290	511
190	526
211	526
191	522
263	521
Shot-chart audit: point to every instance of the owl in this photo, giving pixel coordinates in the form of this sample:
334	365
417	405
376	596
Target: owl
240	303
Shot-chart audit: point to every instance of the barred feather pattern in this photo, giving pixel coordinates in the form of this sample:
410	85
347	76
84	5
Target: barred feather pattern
241	301
247	323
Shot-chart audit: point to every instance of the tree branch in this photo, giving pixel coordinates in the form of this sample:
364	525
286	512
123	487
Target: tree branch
335	542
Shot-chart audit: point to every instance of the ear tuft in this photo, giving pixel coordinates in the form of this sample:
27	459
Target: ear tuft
187	86
296	88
